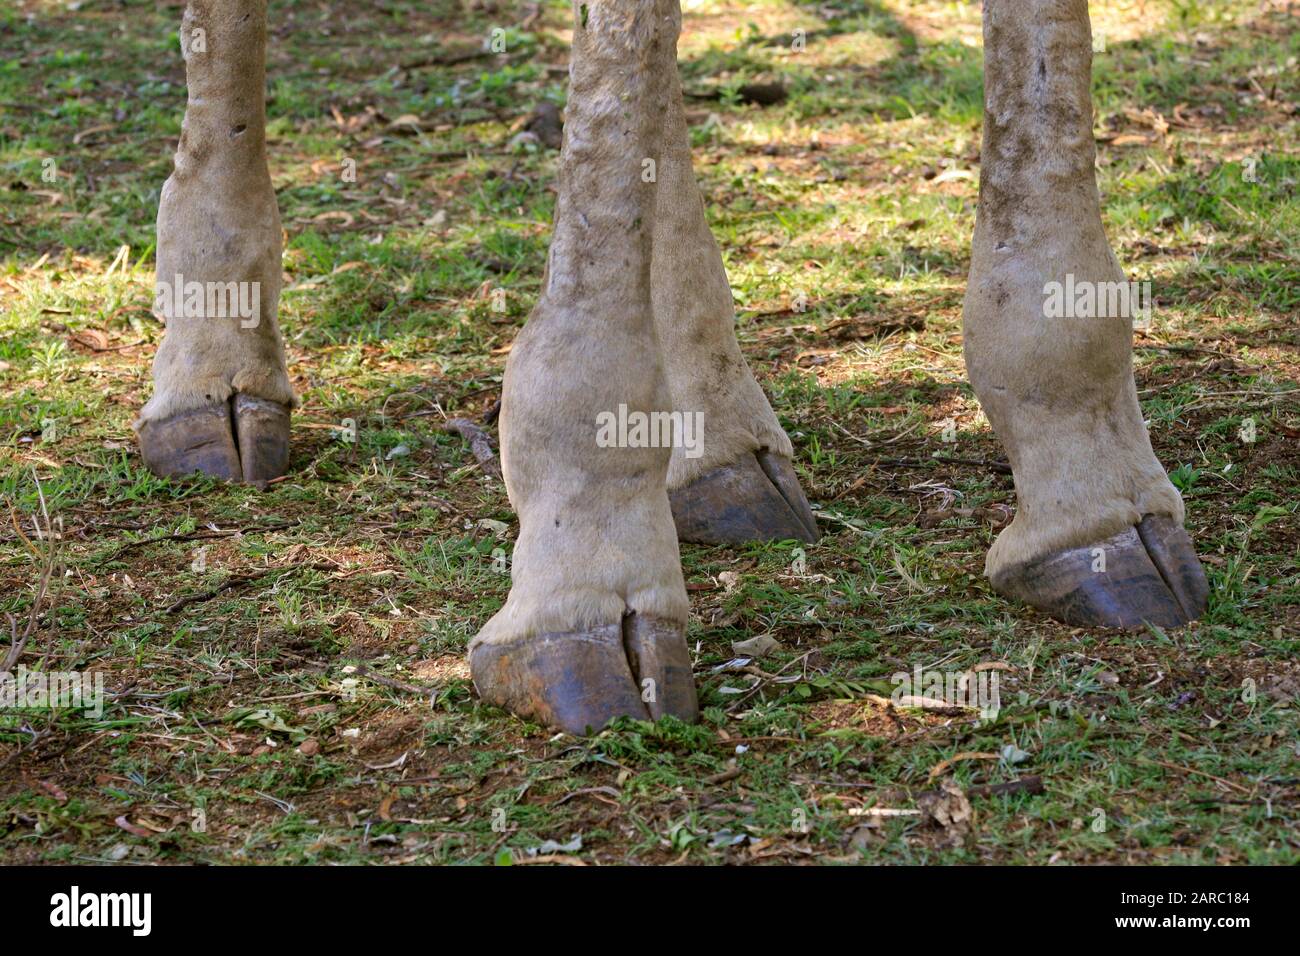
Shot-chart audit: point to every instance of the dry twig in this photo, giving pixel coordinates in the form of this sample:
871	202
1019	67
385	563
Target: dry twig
393	683
479	443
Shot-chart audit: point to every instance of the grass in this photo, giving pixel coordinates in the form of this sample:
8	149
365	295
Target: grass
254	645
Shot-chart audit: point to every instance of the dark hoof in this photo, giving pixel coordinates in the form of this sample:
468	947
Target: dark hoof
757	498
262	429
1152	575
198	440
245	439
579	681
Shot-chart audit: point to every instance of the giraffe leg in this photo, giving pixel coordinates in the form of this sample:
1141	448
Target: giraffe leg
1098	535
594	626
737	482
222	396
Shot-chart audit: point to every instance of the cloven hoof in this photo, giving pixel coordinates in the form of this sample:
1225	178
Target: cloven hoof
757	498
578	681
1148	574
243	439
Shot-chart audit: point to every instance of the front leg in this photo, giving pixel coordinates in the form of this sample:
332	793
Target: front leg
222	396
1098	535
594	627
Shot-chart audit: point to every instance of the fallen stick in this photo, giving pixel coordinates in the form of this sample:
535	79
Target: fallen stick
1202	773
448	59
204	535
1000	467
393	683
723	777
479	443
1032	784
931	705
237	581
760	94
562	858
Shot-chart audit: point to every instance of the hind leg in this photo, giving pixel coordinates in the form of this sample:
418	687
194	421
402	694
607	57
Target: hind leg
738	482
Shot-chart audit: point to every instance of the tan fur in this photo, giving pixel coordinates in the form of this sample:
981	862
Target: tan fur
1059	392
217	218
596	536
694	313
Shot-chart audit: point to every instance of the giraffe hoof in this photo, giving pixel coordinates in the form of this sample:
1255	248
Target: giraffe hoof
757	498
262	430
578	681
244	439
1148	574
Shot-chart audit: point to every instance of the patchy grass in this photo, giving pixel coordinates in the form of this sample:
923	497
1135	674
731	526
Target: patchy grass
259	649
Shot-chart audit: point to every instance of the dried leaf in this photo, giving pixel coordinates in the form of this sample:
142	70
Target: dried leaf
948	808
759	646
131	828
